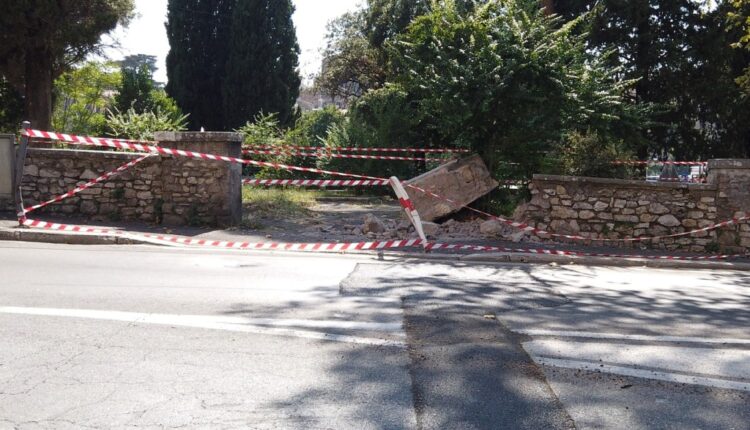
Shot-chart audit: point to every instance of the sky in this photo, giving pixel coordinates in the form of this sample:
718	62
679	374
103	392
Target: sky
146	34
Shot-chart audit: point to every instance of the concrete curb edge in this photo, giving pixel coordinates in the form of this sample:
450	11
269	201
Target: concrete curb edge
25	235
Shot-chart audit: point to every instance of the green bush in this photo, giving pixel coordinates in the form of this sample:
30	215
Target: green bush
381	118
265	131
132	125
82	100
587	154
312	127
310	130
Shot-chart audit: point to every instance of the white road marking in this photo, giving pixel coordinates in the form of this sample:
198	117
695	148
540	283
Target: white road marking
235	324
647	374
711	362
638	337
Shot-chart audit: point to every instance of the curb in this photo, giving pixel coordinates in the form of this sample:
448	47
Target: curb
606	261
25	235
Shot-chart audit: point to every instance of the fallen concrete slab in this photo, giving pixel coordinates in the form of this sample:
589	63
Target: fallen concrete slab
462	181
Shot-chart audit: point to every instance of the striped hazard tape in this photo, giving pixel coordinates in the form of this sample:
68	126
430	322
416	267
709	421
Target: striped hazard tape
85	186
315	182
336	155
355	149
143	147
662	163
411	211
345	246
149	149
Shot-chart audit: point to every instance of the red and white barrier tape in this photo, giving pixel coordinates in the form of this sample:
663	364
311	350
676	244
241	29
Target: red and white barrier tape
315	182
142	148
85	186
348	246
333	155
179	240
663	163
124	144
357	149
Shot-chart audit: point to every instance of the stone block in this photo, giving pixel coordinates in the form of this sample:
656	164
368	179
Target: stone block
669	221
600	206
627	218
563	212
658	209
462	181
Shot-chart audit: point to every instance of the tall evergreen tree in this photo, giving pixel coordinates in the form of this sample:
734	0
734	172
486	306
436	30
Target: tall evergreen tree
136	87
198	32
261	71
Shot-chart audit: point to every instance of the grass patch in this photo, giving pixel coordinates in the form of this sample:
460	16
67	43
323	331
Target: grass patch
268	202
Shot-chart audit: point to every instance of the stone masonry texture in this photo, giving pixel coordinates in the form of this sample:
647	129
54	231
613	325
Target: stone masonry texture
600	208
160	190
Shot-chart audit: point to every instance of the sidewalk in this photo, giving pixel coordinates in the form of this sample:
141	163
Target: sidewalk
10	230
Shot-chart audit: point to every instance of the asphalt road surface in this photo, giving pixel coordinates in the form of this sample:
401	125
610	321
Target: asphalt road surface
149	337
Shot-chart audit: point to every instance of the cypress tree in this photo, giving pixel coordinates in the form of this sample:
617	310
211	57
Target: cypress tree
261	71
198	32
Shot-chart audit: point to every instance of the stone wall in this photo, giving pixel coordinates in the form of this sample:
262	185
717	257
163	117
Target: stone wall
128	196
600	208
732	178
161	190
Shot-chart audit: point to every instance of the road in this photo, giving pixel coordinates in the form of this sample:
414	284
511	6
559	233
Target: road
149	337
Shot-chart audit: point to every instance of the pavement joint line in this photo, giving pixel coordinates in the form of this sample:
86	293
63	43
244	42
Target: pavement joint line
644	374
632	337
205	322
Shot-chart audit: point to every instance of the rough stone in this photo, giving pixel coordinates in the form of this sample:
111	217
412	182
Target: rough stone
373	224
88	207
494	228
48	173
669	221
430	228
600	206
658	209
88	174
563	212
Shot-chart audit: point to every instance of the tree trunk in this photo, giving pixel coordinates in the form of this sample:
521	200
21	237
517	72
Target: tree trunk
38	101
549	6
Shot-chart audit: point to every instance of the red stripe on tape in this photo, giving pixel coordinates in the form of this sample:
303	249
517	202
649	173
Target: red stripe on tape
355	149
339	247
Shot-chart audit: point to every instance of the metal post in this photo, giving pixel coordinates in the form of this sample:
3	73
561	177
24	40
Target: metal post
18	178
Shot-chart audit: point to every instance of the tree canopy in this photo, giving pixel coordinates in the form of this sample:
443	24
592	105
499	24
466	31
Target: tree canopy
232	59
198	33
261	71
510	82
41	39
680	53
82	97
